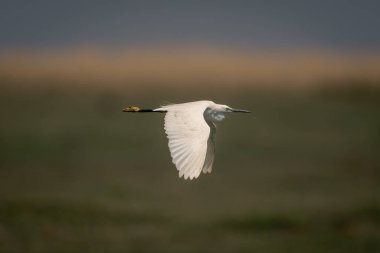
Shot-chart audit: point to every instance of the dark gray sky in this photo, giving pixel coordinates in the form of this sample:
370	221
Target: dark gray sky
335	24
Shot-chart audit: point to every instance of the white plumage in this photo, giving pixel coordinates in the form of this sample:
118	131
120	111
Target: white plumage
190	128
190	138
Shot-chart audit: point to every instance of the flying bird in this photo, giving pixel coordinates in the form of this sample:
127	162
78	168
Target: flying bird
191	129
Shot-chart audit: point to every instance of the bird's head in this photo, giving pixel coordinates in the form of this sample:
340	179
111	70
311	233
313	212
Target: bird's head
216	112
226	108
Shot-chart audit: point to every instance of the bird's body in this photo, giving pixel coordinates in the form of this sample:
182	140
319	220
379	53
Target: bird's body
190	128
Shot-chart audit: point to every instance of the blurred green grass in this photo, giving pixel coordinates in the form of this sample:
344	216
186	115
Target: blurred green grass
300	174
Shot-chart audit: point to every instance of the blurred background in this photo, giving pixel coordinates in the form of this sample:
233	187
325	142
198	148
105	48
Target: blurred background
299	174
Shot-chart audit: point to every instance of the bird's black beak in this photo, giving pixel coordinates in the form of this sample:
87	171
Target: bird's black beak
239	110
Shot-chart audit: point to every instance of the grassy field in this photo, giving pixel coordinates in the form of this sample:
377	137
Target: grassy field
299	174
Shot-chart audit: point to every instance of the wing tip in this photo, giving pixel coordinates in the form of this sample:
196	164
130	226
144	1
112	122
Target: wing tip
187	176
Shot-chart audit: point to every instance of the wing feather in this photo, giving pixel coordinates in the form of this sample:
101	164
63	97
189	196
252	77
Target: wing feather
188	135
209	161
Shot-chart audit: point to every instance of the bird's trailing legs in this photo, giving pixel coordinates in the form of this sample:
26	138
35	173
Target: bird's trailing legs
137	109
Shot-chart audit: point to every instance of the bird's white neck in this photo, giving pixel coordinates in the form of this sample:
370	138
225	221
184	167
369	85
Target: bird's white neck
214	115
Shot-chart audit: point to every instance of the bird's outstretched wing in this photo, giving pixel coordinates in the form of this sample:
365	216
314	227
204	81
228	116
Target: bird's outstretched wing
188	135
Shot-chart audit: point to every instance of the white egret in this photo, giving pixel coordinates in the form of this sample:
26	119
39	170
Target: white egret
190	128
